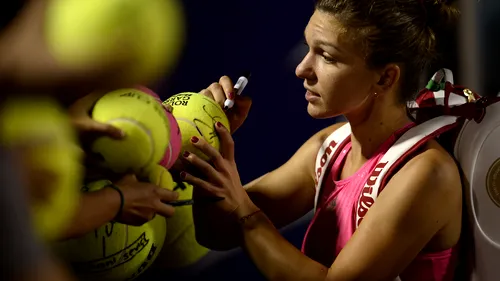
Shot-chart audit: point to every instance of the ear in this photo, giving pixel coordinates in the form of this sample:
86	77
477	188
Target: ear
388	79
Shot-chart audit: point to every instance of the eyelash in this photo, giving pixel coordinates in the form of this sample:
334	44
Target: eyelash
325	58
328	59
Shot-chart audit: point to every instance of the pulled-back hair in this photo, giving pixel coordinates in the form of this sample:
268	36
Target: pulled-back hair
394	31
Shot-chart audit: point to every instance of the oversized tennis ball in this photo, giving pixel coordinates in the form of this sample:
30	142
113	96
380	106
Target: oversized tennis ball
175	144
148	34
160	176
42	130
145	125
115	251
181	248
196	115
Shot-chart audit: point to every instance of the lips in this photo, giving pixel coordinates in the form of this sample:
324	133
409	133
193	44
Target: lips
312	93
312	96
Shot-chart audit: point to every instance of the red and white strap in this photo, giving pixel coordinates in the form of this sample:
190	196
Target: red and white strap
327	154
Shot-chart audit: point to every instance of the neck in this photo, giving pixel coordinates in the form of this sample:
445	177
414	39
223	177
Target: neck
371	125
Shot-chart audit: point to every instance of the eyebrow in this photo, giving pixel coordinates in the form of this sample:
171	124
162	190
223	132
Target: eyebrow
325	43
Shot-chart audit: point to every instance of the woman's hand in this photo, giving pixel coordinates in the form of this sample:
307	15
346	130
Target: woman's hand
221	178
224	89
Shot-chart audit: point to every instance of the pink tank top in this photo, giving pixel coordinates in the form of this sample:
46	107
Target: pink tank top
334	221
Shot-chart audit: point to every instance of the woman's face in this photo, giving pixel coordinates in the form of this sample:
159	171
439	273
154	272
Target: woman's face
335	74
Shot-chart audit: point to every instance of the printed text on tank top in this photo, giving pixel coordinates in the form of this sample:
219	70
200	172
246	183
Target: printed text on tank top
334	222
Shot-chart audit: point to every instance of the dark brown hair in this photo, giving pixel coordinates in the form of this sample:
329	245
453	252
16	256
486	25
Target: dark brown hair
395	31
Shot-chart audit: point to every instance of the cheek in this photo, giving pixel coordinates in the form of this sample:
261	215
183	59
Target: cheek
344	88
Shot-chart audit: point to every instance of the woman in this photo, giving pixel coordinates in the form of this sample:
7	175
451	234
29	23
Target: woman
364	61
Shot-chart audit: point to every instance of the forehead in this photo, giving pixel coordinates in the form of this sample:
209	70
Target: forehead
323	26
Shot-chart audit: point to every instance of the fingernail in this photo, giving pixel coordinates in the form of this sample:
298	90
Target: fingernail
182	175
231	95
194	139
185	154
219	124
176	195
121	133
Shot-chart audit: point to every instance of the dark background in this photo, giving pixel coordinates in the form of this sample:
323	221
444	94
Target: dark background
232	37
265	37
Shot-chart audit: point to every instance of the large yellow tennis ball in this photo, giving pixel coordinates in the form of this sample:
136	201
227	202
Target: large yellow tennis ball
41	129
146	128
114	252
196	115
148	34
181	248
160	176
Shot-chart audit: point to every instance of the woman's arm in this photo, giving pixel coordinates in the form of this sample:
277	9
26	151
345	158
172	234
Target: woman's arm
285	195
418	202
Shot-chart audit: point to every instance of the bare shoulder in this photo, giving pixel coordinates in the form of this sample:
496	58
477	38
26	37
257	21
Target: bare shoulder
436	171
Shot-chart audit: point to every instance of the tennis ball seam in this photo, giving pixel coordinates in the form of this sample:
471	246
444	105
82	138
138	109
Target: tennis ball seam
145	129
190	122
171	153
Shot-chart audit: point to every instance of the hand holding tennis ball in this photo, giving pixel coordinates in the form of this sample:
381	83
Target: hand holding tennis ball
197	115
115	251
146	127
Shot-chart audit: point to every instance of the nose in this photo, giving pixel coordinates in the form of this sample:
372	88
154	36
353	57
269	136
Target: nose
305	68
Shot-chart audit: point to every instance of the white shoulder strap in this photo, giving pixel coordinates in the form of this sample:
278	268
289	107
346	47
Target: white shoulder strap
326	153
406	144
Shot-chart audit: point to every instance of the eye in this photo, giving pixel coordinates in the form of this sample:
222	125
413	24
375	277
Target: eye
327	58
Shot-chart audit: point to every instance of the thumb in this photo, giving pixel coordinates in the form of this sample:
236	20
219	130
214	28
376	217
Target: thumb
129	178
90	126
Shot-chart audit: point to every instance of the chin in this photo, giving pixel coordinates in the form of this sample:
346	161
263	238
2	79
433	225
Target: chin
319	112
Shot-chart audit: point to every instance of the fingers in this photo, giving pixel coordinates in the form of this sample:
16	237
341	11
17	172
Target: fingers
226	141
166	195
88	125
212	153
106	129
161	206
83	122
127	178
217	93
164	210
204	167
220	91
227	86
197	182
83	105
